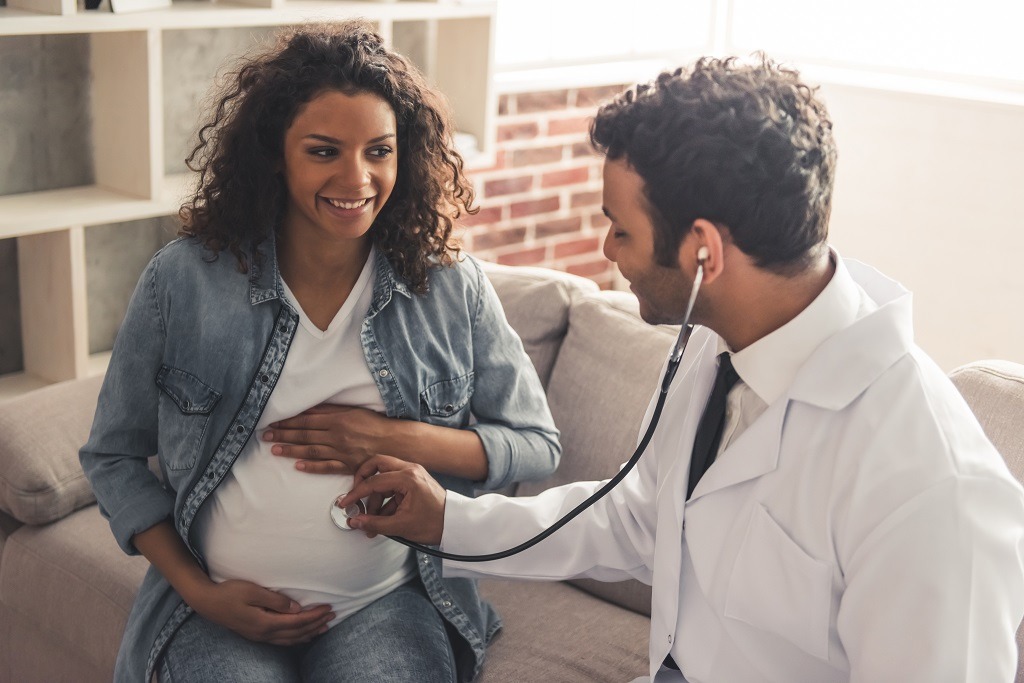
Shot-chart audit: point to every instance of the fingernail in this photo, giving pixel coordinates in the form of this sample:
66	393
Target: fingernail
294	607
300	466
276	450
268	436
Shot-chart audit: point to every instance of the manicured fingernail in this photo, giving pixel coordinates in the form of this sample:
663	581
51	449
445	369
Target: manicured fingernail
268	436
276	450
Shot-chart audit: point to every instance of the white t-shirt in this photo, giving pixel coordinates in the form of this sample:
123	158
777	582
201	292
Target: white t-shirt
268	522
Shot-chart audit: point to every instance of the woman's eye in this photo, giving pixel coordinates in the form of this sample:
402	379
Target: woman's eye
381	152
324	152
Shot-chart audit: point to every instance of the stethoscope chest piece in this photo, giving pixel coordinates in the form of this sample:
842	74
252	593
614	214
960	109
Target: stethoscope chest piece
341	515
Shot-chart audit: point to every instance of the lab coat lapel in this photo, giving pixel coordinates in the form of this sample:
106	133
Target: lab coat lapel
752	454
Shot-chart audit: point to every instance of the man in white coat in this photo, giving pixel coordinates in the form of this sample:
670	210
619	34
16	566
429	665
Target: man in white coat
854	524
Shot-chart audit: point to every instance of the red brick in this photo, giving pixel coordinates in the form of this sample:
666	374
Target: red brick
492	214
503	186
488	238
586	199
504	105
599	221
529	102
590	268
518	131
523	258
536	156
592	97
559	227
535	206
577	124
575	247
569	176
583	149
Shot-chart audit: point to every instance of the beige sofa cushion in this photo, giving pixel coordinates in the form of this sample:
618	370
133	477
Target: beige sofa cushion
70	583
600	386
536	303
555	633
40	434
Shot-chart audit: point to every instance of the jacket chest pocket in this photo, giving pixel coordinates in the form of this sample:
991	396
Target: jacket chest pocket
447	402
777	587
185	406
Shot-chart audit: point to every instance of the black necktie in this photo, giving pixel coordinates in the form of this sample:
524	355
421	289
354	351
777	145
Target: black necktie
712	422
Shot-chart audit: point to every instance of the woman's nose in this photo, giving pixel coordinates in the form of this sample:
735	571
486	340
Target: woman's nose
352	173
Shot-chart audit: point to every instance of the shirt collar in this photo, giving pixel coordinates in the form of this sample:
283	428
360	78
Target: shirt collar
769	365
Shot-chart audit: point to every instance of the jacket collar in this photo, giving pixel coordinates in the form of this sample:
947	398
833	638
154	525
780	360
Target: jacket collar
265	278
852	359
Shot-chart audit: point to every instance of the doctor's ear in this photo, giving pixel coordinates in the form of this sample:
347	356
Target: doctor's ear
704	246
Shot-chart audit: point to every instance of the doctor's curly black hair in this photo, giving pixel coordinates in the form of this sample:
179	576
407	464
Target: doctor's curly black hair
747	146
241	195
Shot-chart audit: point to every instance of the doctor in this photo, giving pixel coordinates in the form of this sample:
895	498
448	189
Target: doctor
854	523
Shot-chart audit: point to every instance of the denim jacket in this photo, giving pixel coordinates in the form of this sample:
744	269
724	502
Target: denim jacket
199	353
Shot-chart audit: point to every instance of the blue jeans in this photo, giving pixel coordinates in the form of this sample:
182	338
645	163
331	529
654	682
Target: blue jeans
399	638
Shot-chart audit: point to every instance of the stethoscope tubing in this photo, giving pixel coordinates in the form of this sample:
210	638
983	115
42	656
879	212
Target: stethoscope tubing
670	370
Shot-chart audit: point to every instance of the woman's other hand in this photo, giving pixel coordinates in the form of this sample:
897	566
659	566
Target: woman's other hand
258	613
328	439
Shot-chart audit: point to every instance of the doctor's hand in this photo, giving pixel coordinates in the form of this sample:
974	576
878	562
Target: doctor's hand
404	500
328	438
259	614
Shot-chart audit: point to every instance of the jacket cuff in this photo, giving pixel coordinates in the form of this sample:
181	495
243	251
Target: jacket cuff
499	449
143	510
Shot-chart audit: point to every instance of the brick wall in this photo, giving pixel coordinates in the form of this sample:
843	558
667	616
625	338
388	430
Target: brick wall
540	204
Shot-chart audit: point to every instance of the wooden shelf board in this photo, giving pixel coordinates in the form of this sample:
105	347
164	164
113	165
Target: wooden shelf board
202	14
32	213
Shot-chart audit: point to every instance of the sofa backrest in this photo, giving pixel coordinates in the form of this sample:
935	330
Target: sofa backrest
994	389
536	303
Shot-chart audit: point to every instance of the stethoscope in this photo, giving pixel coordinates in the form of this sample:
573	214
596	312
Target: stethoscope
340	515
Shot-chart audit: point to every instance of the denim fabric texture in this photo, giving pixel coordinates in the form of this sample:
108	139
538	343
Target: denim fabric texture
197	356
399	638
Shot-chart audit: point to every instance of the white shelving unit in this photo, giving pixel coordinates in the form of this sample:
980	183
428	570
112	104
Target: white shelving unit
451	42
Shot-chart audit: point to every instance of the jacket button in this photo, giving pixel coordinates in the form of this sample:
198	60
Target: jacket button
239	429
264	378
186	405
448	407
447	603
383	373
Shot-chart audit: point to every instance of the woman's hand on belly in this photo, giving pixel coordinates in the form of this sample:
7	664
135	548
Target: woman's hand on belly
258	613
329	439
333	439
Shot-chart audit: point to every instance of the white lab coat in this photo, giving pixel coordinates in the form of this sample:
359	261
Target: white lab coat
862	529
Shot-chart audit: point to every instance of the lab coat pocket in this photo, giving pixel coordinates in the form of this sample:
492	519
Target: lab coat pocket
447	401
185	407
777	587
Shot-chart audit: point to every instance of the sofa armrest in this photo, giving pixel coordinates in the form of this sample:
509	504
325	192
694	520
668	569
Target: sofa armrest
41	479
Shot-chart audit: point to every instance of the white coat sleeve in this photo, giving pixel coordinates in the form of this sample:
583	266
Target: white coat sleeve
611	541
947	565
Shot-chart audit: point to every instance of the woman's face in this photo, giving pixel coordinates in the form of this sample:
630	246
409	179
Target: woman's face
340	165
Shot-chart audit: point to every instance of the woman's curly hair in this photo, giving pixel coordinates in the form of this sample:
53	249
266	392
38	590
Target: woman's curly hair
744	145
241	195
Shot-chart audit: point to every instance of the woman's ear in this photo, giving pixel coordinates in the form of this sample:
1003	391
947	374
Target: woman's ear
703	245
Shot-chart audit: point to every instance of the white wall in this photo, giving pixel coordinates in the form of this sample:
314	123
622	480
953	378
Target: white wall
929	190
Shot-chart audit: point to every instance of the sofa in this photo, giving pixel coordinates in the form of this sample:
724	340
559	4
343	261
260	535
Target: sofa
66	588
